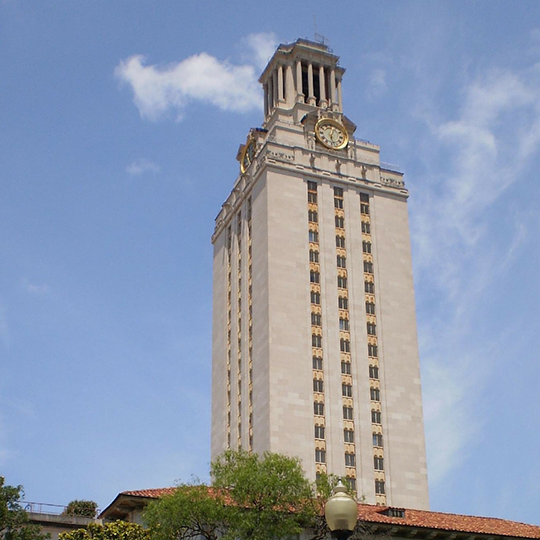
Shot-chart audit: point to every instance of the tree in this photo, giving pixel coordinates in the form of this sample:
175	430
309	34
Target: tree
81	508
260	497
117	530
14	521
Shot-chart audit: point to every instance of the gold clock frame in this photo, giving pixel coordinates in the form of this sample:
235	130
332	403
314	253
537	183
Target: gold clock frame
325	121
251	143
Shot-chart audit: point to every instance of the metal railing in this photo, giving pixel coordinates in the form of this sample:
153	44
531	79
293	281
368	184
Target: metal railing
42	508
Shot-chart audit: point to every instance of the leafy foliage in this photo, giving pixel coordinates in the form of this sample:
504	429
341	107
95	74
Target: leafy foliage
253	496
14	522
270	495
117	530
192	510
81	508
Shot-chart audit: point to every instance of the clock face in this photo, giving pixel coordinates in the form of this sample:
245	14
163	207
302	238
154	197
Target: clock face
331	134
248	155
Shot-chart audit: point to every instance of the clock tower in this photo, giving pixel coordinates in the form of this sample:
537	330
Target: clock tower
315	349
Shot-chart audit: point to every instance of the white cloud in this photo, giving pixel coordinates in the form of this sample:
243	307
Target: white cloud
35	289
489	146
260	47
159	90
142	166
377	83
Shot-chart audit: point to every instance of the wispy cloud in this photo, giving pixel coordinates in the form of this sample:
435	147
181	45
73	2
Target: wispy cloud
158	90
142	166
488	148
35	289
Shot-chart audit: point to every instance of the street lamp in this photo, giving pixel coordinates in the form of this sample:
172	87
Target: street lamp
341	513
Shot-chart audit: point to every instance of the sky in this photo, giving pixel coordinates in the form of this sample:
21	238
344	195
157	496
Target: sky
119	126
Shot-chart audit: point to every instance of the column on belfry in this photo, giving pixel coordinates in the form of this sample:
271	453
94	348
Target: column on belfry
311	95
322	103
299	89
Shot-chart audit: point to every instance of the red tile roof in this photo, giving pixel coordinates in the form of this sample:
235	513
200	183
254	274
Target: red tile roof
373	515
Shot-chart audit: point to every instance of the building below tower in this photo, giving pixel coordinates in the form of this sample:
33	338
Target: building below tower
315	348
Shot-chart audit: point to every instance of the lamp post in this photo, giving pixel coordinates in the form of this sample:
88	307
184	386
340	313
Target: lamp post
341	513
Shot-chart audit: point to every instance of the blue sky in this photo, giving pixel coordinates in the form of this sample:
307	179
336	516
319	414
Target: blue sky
120	123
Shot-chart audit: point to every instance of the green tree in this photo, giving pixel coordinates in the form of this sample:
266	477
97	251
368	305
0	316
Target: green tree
81	508
117	530
260	497
14	521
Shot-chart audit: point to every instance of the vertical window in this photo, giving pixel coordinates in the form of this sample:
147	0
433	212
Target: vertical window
313	216
378	463
366	227
315	297
320	456
343	302
316	341
352	483
375	394
341	261
318	385
379	487
377	439
344	345
346	368
373	372
342	282
312	197
369	287
368	267
313	236
338	203
318	408
317	362
338	192
346	390
312	186
344	324
313	256
366	247
371	329
350	460
348	413
372	351
340	222
348	435
319	432
340	241
316	319
376	417
370	308
314	276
